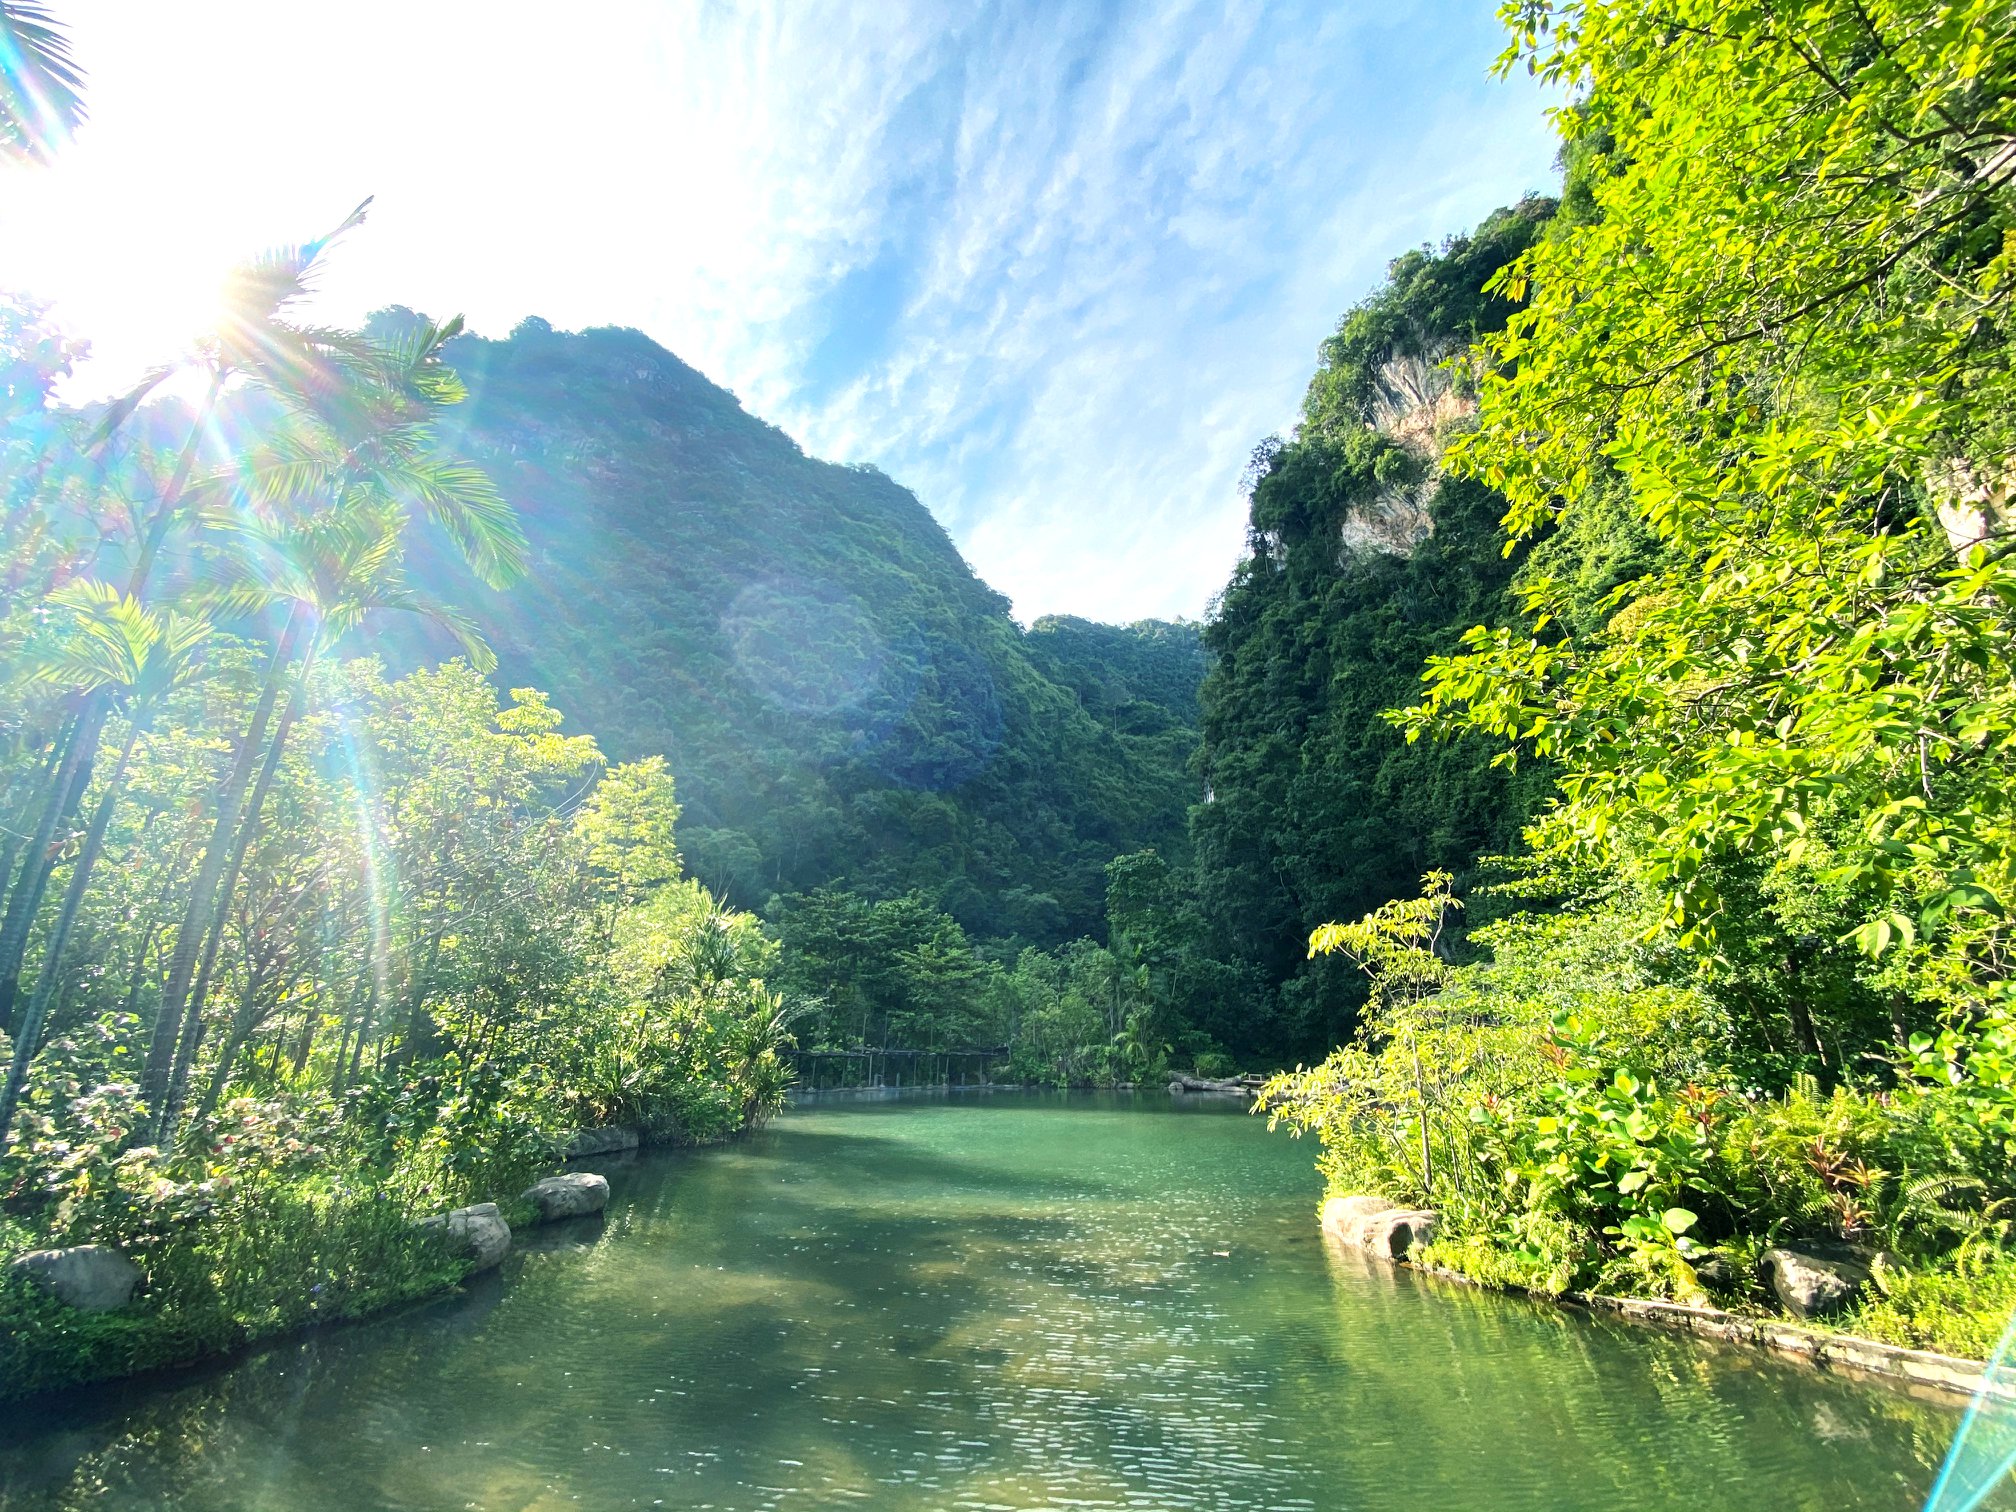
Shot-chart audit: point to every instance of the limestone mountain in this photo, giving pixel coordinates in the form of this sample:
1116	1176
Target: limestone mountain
842	699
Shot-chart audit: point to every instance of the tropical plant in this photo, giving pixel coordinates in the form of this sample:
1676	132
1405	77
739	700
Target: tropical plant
1782	328
111	643
41	86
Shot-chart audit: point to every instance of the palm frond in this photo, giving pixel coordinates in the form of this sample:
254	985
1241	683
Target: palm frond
41	86
462	499
400	599
258	290
118	411
412	365
105	638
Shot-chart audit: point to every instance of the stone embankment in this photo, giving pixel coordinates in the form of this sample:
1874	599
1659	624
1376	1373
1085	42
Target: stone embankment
610	1141
1818	1280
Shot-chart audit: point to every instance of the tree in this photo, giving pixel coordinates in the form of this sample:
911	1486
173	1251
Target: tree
112	643
1784	328
253	340
330	496
627	823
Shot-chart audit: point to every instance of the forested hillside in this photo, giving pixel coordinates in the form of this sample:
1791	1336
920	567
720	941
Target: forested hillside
1363	560
846	704
1742	409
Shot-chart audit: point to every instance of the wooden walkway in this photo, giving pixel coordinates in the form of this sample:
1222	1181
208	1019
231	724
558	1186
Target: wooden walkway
821	1070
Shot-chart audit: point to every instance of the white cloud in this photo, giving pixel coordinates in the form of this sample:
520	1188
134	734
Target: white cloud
1100	243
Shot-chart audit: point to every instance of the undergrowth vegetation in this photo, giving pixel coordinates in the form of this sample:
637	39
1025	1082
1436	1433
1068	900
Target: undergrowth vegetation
1577	1109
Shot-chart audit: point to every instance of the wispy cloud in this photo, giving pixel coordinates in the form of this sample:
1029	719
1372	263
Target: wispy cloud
1057	266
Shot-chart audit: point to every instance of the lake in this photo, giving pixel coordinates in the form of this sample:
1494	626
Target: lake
988	1301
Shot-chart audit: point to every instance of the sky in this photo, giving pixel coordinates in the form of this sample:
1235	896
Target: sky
1057	267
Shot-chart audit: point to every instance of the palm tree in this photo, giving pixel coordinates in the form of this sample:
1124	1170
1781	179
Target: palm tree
318	515
41	86
254	341
114	644
328	573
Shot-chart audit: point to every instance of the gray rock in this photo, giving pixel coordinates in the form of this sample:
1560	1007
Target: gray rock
1345	1218
1392	1235
88	1277
568	1196
601	1141
1816	1282
477	1234
1376	1226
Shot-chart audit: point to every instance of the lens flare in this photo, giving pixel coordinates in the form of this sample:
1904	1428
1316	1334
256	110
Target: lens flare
1984	1450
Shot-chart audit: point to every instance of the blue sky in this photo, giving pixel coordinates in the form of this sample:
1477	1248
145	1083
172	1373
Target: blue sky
1055	266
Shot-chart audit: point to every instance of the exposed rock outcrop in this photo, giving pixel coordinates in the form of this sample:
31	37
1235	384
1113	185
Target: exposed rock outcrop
1416	401
570	1196
88	1277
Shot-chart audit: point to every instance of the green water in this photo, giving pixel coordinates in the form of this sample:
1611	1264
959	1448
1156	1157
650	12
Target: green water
1000	1302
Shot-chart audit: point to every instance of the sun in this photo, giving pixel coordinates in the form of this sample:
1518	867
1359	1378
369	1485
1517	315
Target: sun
106	250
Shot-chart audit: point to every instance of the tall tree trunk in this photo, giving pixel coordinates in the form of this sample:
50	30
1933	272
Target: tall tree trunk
347	1075
65	791
156	533
28	1035
15	828
420	1027
201	905
191	1035
242	1022
74	773
309	1022
139	973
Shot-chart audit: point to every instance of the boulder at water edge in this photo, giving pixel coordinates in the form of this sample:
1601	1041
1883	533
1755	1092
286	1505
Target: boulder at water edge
1814	1283
1372	1223
1344	1218
477	1234
89	1277
601	1142
570	1196
1391	1236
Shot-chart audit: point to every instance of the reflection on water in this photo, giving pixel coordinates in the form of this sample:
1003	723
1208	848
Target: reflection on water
1001	1302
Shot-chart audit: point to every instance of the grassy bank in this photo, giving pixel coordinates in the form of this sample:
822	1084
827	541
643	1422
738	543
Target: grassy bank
252	1230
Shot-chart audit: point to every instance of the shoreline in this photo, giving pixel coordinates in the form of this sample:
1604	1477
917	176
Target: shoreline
1922	1373
570	1160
